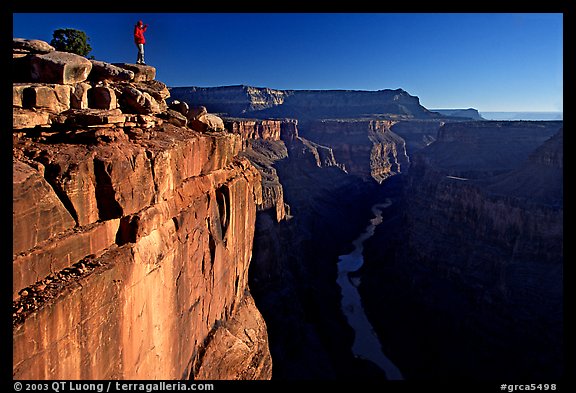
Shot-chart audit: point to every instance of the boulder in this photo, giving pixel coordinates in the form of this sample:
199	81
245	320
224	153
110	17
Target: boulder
141	72
176	118
155	88
79	96
91	117
59	67
207	122
102	97
29	118
21	45
136	101
180	107
53	98
158	90
195	112
106	71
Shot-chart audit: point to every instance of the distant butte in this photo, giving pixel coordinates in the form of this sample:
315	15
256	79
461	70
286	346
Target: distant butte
249	101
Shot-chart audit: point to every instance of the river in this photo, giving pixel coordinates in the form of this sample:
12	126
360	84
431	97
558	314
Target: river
366	344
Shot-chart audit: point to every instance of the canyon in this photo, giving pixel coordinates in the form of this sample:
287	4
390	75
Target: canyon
194	233
468	261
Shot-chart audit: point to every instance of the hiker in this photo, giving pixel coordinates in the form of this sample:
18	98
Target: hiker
139	39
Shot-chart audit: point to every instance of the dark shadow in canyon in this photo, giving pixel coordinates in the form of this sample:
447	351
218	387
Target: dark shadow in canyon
452	290
464	279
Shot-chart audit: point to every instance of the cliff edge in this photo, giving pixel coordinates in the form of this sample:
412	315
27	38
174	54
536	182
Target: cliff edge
133	227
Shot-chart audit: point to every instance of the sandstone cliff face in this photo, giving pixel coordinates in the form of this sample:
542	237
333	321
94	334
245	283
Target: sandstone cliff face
230	100
132	237
171	243
309	206
255	129
302	104
477	257
366	148
263	146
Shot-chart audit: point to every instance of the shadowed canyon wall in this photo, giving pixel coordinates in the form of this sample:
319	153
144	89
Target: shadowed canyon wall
293	273
470	260
464	278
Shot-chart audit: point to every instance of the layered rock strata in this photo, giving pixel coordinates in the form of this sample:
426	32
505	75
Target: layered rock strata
249	101
366	148
267	142
263	146
132	235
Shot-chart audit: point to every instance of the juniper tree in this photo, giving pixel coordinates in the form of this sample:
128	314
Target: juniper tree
71	40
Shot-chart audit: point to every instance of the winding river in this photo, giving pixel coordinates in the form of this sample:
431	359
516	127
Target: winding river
366	344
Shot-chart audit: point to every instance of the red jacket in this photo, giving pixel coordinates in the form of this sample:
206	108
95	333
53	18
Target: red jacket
139	34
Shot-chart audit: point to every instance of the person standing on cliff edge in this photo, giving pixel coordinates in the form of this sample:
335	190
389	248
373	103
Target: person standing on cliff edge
139	39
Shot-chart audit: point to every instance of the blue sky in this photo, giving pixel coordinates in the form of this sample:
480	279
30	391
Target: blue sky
491	62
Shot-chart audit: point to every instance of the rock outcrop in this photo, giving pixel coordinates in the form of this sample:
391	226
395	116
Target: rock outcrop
109	72
22	46
132	235
251	129
51	86
59	67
